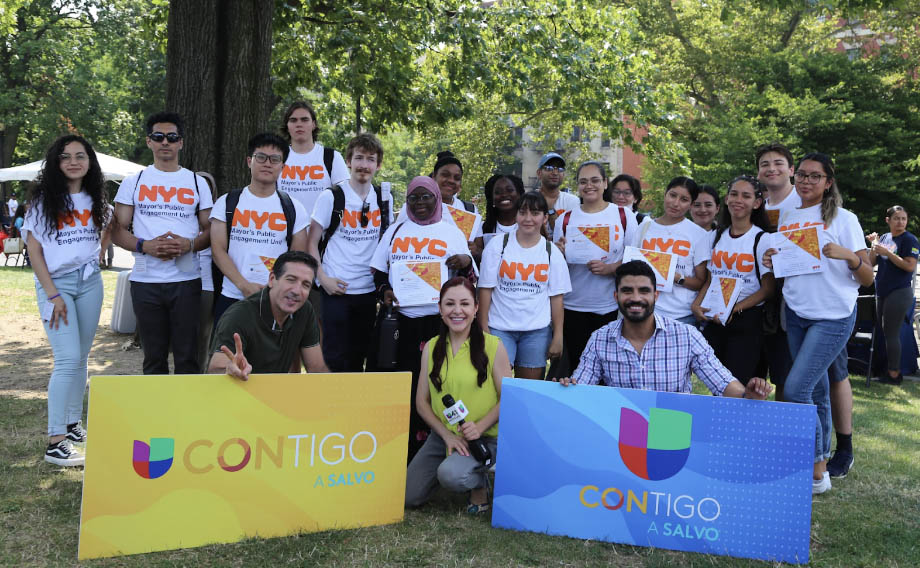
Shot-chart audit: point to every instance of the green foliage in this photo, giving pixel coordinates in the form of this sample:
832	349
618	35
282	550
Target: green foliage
93	67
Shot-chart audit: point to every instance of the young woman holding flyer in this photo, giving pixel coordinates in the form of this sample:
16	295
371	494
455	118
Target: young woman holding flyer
674	234
66	214
821	306
467	364
523	278
737	262
599	233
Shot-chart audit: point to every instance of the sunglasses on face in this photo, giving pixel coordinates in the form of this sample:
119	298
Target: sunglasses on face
559	169
172	137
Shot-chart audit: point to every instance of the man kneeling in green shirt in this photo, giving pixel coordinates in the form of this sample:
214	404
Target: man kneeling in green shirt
271	325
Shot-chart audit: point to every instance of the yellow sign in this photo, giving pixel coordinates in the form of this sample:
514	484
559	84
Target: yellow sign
183	461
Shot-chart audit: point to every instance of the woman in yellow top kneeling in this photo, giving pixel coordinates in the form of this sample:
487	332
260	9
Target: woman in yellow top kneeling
467	364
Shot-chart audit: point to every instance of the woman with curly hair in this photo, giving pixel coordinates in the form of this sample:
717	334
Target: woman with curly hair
67	210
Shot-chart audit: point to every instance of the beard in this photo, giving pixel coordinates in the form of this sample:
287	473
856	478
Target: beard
646	313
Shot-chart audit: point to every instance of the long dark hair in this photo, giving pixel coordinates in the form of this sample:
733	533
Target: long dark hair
491	220
478	355
50	191
758	216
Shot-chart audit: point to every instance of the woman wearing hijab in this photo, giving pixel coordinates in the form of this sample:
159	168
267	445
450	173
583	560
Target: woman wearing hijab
411	250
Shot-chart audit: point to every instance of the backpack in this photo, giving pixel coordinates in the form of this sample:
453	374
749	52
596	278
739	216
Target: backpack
338	210
233	199
468	205
328	156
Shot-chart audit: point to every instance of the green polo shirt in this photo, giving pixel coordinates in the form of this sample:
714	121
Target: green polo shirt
267	348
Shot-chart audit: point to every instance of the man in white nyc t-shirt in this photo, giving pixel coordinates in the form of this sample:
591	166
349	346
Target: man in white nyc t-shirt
168	207
345	280
258	225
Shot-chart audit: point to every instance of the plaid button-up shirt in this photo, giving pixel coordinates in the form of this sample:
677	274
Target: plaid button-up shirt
665	363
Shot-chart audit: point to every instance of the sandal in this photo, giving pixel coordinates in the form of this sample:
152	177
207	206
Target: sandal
474	509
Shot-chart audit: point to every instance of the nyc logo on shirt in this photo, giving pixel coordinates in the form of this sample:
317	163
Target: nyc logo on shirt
247	218
674	246
419	246
521	277
738	262
303	172
159	193
351	218
71	218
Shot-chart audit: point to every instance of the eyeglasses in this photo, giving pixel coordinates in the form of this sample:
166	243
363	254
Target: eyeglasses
592	181
812	177
261	158
78	157
172	137
621	192
365	209
559	169
420	198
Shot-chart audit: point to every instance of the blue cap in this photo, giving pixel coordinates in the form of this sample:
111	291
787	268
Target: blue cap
550	156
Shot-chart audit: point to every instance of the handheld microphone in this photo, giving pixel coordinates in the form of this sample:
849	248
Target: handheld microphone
455	412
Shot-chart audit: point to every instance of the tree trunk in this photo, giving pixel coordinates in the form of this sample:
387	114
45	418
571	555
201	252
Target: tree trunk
218	63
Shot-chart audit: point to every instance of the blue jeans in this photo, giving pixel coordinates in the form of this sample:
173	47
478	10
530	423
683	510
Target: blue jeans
70	344
814	345
526	349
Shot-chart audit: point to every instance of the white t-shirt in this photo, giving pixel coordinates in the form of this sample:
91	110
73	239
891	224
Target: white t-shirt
691	244
350	249
591	292
165	201
735	257
775	211
830	294
304	176
12	205
207	278
73	244
565	202
523	280
438	241
258	235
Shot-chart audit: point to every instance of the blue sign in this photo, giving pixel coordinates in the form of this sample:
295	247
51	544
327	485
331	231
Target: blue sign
686	472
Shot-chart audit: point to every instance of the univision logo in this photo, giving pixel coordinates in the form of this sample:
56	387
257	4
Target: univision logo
656	448
154	460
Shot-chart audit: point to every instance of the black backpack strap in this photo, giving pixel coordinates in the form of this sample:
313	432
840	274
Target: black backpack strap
756	260
328	157
197	192
468	205
290	214
338	209
384	206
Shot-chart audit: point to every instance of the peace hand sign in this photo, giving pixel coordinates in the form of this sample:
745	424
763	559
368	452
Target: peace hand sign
238	366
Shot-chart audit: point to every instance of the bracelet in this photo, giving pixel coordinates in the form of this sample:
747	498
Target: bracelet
58	295
139	247
857	266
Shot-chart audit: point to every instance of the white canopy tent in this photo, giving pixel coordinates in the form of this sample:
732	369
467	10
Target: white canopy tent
114	169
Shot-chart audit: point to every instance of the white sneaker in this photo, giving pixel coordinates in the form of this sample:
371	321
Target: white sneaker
821	486
63	454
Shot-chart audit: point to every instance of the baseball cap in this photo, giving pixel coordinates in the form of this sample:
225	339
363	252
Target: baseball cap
550	156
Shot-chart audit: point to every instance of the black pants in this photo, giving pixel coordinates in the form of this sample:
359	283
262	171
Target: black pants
413	332
348	326
576	331
167	315
738	344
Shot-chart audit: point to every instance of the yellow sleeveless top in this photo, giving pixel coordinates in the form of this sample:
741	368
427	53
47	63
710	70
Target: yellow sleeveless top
458	379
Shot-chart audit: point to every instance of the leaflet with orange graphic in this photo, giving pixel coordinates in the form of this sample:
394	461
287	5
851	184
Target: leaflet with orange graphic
798	251
418	283
467	222
721	297
663	263
587	243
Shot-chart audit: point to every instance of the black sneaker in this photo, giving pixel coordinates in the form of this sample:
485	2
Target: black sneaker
63	453
76	433
840	464
889	380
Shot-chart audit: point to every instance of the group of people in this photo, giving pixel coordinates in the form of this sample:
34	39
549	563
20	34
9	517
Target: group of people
300	266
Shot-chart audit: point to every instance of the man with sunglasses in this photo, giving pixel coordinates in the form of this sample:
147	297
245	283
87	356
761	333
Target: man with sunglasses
551	173
349	303
259	225
168	215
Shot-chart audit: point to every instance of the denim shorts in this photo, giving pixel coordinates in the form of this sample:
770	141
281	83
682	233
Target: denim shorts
526	348
838	371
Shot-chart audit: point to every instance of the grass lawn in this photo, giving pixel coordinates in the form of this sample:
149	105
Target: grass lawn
872	518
